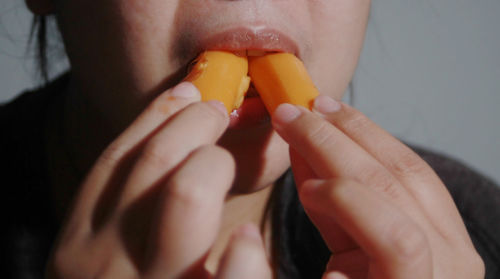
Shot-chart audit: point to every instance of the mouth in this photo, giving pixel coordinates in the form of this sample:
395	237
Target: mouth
249	39
249	42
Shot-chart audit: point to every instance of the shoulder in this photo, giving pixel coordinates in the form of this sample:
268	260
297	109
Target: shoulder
471	190
22	120
32	101
29	228
22	153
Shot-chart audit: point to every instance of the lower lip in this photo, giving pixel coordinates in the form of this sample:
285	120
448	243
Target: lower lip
251	113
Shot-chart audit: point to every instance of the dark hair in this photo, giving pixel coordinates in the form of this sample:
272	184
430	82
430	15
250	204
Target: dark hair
46	44
39	30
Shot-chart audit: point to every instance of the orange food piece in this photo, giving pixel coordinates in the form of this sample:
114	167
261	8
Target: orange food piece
282	78
222	76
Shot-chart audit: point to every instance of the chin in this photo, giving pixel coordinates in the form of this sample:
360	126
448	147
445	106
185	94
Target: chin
261	157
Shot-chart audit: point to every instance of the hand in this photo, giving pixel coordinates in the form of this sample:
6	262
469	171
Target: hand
379	207
151	205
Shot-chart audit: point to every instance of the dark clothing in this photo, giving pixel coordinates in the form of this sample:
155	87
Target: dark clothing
31	227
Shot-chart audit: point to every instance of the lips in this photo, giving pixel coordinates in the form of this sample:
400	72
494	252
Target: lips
248	41
243	38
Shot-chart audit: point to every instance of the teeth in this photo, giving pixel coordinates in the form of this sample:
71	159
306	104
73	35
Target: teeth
253	52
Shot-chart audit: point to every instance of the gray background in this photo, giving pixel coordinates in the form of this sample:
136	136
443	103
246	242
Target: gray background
429	73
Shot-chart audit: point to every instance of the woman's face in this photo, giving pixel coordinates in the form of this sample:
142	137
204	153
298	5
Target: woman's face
125	52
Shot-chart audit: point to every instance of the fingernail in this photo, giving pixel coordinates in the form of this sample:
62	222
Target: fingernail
286	113
249	230
326	105
310	186
218	105
185	90
335	275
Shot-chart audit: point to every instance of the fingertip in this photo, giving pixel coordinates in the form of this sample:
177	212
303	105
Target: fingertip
245	256
186	90
285	113
219	106
310	186
335	275
248	231
324	105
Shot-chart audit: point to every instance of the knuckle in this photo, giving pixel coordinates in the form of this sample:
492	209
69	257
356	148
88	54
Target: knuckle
62	265
381	181
188	194
191	190
340	189
321	134
57	266
309	188
466	263
220	156
155	153
475	265
478	264
112	154
409	164
410	244
356	122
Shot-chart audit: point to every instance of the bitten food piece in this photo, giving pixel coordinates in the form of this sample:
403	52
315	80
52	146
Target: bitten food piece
282	78
222	76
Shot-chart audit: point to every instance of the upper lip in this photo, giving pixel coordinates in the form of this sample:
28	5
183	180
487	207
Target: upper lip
245	38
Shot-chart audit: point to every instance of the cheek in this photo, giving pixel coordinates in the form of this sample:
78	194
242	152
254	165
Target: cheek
126	41
339	32
147	30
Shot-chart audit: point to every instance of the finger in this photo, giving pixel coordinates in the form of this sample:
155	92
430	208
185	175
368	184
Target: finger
335	237
154	115
402	162
336	275
115	155
189	212
245	256
199	124
341	275
328	151
349	262
300	168
396	246
331	154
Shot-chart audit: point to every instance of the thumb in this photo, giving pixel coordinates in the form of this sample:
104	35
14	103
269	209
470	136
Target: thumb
245	256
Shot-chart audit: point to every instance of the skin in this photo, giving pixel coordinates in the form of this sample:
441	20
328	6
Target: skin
140	136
